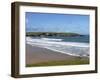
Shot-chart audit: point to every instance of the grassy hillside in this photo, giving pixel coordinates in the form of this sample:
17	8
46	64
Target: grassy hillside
50	34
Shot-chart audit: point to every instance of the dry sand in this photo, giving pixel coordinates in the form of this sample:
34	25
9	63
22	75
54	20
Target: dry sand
36	55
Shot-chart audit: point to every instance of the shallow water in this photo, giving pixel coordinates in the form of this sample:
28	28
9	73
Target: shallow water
74	48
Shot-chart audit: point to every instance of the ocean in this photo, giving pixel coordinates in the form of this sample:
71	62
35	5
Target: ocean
81	39
75	46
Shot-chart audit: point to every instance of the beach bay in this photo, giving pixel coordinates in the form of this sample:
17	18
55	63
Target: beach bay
37	56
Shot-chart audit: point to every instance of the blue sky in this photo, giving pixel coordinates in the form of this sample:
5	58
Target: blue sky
46	22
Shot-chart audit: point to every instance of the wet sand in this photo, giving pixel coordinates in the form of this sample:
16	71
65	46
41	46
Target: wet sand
36	55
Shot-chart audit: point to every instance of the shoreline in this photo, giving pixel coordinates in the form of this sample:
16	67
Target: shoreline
78	44
36	54
70	48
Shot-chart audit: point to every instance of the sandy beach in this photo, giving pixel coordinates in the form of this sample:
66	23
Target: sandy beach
36	55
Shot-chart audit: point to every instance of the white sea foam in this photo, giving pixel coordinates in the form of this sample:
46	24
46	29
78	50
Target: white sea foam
51	39
71	48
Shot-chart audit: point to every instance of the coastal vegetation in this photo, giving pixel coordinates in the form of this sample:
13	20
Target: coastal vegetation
77	61
51	34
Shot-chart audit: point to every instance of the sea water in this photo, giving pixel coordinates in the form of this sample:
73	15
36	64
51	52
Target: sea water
76	46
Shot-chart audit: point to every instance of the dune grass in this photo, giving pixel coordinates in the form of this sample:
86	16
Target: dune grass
60	62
